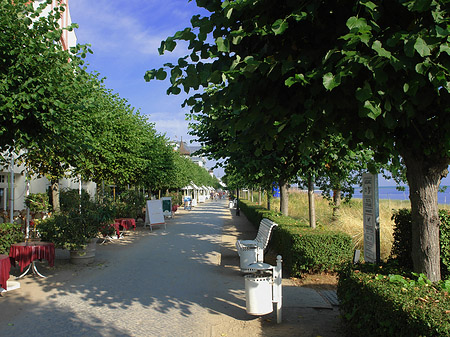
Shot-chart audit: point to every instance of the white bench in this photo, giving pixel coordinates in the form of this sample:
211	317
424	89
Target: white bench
252	251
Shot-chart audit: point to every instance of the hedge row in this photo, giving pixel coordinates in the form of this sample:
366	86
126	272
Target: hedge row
304	250
378	301
9	234
402	245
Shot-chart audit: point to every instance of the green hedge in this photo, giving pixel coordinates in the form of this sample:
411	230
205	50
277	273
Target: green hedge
9	234
303	249
402	245
377	301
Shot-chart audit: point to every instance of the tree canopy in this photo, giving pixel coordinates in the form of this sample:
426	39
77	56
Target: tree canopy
61	118
375	73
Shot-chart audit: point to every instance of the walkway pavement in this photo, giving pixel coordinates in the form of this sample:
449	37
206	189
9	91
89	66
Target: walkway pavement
182	281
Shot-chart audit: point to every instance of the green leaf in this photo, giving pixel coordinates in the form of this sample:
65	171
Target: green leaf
421	47
380	50
374	109
161	74
280	26
422	68
369	4
223	45
419	5
409	47
357	23
444	48
330	81
194	57
369	134
363	94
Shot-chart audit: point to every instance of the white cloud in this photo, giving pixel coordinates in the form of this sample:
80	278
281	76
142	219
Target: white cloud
114	26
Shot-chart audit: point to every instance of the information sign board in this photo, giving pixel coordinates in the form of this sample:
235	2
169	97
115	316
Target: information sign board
371	218
154	214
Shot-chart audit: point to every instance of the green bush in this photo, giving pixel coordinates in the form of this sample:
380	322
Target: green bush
304	250
177	198
379	301
75	226
9	234
37	202
307	250
129	204
402	245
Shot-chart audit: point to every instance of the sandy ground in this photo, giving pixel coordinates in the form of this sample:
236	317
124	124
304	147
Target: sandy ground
297	321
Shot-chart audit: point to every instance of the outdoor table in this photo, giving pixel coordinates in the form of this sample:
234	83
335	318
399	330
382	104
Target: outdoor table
25	253
5	266
125	223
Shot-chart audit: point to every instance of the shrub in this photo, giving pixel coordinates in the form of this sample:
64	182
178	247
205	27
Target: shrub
74	227
379	301
402	246
177	198
307	250
9	234
130	204
37	202
304	249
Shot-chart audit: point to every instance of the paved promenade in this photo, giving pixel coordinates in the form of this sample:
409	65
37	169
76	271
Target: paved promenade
182	281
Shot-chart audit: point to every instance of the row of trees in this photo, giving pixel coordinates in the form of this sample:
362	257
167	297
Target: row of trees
307	88
65	122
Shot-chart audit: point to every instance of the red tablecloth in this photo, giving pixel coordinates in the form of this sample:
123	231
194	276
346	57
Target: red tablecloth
126	223
27	252
5	266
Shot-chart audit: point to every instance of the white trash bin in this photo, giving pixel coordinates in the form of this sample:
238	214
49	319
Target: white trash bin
258	294
258	290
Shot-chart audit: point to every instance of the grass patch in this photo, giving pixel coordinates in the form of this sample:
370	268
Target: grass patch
349	218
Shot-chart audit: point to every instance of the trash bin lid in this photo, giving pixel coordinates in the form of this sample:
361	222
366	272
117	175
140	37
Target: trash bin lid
260	266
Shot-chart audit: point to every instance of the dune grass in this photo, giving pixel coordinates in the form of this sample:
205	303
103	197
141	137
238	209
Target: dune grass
349	218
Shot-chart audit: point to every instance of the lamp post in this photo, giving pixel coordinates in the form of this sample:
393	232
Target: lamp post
238	211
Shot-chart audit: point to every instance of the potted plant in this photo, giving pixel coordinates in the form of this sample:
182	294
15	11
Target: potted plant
38	204
76	228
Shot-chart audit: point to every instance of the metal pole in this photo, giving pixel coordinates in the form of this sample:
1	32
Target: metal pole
278	287
11	204
79	191
238	211
27	235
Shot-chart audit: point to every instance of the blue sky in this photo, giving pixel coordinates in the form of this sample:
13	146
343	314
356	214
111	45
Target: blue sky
125	36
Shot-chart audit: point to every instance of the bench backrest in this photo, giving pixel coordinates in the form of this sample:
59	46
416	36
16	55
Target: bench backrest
265	228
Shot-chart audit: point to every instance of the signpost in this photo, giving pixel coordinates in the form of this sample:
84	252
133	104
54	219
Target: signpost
371	215
154	214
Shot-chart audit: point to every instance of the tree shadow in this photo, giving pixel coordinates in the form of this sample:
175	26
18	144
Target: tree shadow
174	274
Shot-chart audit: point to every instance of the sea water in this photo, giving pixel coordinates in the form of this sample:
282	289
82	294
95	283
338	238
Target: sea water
392	193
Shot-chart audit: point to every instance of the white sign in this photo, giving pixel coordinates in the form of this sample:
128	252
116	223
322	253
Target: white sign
371	218
154	213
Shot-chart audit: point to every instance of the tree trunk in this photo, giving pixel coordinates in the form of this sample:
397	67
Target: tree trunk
284	198
259	196
55	195
424	176
312	206
269	195
336	201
